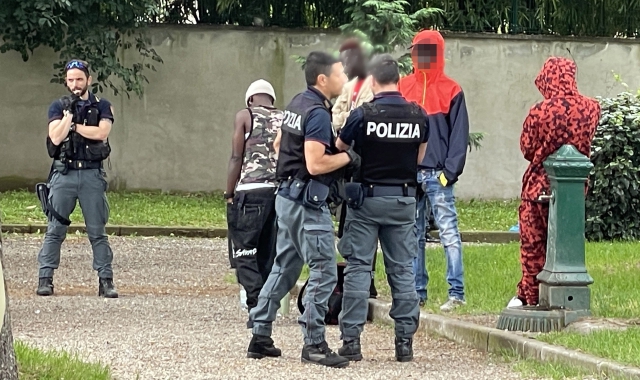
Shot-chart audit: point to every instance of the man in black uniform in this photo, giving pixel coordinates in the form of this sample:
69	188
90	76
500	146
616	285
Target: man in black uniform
79	127
390	135
309	166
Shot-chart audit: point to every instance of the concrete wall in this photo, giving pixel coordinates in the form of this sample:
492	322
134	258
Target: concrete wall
178	136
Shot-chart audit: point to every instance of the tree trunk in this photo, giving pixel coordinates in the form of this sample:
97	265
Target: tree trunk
8	368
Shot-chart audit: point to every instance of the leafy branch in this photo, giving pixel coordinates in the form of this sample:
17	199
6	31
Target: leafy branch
383	26
92	30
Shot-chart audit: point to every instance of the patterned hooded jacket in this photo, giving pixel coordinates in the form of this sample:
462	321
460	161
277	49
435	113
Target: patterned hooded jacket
563	117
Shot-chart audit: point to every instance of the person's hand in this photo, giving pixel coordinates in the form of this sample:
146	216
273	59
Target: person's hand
69	102
230	200
354	163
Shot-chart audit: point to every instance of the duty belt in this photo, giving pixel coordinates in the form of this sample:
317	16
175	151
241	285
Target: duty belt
389	191
80	164
286	183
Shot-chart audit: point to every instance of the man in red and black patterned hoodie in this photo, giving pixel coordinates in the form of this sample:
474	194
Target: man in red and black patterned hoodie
563	117
444	102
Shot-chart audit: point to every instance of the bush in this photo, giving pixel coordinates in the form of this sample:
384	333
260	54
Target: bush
613	201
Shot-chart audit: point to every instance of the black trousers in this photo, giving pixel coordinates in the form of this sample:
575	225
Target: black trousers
251	220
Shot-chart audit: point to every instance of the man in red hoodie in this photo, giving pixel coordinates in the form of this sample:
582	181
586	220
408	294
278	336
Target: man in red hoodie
443	100
563	117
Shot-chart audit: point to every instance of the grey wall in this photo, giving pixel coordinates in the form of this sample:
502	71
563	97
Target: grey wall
178	136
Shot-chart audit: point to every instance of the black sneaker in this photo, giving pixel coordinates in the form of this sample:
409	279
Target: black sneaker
261	346
431	239
404	349
322	354
106	288
45	286
351	350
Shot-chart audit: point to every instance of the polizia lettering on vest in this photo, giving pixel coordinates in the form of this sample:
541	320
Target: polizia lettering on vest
292	120
397	131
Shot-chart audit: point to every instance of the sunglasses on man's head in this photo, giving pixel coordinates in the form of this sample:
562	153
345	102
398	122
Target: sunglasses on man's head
76	65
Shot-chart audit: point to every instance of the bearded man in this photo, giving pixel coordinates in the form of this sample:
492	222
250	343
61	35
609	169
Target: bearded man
79	127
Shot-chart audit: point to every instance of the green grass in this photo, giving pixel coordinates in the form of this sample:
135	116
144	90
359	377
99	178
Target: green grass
493	271
230	277
481	215
546	370
130	208
208	210
491	275
620	346
34	364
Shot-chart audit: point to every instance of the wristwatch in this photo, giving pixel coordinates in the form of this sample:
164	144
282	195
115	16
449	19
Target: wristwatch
72	128
227	195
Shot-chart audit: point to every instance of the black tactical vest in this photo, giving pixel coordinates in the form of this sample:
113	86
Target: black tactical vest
392	137
291	161
79	148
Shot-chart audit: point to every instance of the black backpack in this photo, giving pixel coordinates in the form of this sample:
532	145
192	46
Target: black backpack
335	300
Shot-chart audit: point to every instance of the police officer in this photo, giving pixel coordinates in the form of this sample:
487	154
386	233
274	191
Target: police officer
309	166
390	135
79	125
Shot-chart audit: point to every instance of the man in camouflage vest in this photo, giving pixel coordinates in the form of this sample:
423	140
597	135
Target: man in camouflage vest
251	187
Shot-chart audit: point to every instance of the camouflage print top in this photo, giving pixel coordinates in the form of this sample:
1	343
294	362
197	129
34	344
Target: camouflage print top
259	161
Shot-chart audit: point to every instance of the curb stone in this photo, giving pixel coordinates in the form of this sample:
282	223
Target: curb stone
495	341
494	237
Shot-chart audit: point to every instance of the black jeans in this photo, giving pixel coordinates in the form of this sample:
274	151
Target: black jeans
251	220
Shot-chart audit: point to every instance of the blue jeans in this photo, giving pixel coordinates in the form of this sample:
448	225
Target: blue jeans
442	203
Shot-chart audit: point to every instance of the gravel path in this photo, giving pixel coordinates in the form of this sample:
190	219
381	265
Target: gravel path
177	318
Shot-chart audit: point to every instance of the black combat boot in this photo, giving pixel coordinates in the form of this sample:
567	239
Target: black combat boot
107	289
261	346
404	349
45	286
373	292
322	354
351	350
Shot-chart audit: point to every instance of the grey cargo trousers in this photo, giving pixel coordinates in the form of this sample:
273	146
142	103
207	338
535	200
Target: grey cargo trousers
88	187
391	219
304	236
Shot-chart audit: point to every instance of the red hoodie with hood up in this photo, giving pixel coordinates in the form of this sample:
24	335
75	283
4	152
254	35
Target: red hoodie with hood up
563	117
443	100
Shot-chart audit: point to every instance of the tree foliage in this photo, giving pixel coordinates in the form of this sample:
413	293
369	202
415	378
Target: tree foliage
610	18
281	13
93	30
385	26
613	199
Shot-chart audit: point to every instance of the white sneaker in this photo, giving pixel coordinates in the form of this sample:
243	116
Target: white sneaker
451	304
515	302
243	298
